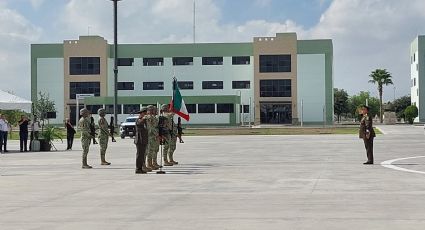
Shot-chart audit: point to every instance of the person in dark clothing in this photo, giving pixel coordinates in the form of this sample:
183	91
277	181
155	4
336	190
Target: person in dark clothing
367	133
141	142
93	130
23	133
112	129
70	132
180	129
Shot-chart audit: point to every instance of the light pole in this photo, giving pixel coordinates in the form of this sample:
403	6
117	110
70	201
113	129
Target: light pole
115	60
394	93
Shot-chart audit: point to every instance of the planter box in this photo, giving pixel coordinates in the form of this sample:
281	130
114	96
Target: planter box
45	145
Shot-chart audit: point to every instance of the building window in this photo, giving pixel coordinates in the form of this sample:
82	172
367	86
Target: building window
94	108
182	60
125	61
131	109
83	88
185	84
125	86
212	85
191	108
212	61
245	108
153	61
275	88
84	65
414	57
241	84
241	60
153	85
225	108
110	109
414	81
206	108
275	63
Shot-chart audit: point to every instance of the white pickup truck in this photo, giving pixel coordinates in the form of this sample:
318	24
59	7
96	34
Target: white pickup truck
128	128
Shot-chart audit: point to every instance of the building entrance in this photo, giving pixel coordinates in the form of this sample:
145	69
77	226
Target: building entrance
276	113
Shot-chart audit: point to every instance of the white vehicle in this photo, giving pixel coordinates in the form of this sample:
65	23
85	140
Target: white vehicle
128	128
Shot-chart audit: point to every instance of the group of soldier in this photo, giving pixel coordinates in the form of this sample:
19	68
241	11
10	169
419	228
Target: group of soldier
152	131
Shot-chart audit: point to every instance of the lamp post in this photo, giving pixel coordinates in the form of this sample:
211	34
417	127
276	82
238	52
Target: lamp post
115	60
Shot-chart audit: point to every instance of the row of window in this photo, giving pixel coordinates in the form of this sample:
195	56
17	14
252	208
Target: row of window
268	88
184	85
268	63
191	108
159	61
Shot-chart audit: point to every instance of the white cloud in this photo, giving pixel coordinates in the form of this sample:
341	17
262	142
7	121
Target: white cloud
366	34
16	35
37	3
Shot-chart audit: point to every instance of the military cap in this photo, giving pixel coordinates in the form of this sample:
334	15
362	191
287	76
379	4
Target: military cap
84	111
366	107
101	111
165	107
150	107
143	109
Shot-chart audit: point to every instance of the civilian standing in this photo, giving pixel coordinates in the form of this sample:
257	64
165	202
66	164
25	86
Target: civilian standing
23	133
70	132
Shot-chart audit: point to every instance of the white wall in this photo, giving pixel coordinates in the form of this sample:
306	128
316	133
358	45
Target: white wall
50	79
311	86
414	74
196	73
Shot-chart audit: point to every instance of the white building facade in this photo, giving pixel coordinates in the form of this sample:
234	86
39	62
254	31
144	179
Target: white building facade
272	80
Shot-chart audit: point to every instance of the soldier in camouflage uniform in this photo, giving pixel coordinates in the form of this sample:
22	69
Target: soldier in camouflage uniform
84	125
153	133
103	135
170	137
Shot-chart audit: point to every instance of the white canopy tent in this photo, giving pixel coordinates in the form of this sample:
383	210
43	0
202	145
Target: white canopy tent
11	102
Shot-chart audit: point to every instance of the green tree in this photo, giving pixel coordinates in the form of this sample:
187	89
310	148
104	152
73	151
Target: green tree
399	105
410	113
42	105
356	101
340	103
380	77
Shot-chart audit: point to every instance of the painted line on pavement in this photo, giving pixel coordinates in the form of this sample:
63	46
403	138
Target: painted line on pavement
389	164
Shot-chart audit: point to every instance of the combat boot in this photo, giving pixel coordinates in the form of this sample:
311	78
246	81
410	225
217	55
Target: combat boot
85	165
167	163
173	162
156	164
146	169
104	162
152	165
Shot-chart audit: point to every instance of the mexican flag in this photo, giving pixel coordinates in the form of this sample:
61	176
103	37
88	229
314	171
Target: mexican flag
177	104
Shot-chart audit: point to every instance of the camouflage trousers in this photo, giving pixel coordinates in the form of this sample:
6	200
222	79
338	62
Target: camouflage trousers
85	143
170	146
103	143
153	148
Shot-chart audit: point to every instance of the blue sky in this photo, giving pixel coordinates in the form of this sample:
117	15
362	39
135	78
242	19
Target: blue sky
367	34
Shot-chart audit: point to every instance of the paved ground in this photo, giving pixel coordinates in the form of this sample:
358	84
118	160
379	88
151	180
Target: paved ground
229	182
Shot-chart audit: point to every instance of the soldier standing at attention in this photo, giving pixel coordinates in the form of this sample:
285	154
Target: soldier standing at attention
367	133
84	125
167	134
153	143
103	135
170	145
155	148
141	142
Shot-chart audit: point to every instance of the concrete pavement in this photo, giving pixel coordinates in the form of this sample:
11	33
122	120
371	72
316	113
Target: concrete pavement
226	182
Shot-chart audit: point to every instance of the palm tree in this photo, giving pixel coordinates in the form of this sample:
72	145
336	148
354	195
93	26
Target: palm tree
380	77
